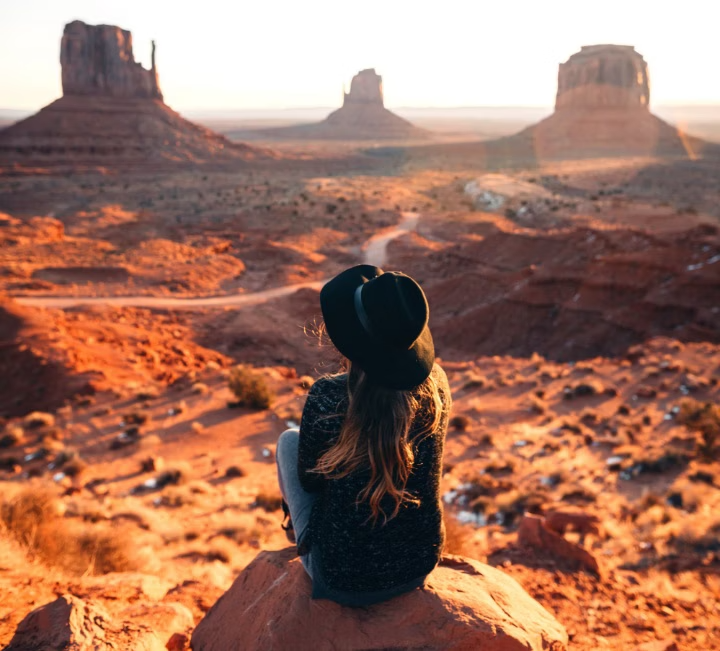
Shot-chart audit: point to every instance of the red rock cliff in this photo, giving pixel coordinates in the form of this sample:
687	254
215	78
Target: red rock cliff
98	60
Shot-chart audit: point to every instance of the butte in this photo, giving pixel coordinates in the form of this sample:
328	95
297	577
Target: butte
111	113
602	108
601	111
362	116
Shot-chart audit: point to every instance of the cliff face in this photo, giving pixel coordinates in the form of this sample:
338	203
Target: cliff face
365	88
604	76
98	60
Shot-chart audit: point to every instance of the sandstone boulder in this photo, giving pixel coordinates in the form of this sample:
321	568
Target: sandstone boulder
69	623
99	60
465	606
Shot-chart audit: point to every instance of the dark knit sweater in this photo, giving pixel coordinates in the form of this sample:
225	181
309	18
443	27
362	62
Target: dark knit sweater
354	554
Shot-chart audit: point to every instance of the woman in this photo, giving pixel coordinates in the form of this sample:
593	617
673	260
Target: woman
361	477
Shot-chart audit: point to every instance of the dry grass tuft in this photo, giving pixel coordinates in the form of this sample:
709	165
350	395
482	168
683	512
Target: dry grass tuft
34	518
250	388
703	418
456	535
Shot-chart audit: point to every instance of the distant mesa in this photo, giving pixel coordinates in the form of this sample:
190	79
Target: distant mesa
603	109
362	116
111	113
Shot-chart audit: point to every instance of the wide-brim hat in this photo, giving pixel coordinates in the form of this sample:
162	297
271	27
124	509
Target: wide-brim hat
379	321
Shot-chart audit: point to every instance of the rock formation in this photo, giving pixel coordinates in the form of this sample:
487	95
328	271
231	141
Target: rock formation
98	60
365	88
362	116
464	605
601	110
111	113
602	76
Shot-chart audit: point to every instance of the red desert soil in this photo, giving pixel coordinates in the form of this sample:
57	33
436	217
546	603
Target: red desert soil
574	327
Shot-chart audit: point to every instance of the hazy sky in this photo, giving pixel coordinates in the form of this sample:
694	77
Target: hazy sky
230	54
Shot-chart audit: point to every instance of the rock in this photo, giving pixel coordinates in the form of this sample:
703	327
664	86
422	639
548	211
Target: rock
534	532
98	60
178	642
659	645
71	623
465	605
604	76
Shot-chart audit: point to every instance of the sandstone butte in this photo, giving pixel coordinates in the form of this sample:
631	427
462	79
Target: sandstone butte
362	116
465	606
602	109
111	113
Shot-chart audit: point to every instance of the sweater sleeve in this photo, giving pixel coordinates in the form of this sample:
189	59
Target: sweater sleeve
318	428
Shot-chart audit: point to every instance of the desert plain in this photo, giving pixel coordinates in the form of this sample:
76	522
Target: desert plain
575	306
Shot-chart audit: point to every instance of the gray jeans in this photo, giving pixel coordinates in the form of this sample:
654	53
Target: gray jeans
299	501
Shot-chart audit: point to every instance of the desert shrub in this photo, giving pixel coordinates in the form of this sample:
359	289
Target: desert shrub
135	418
459	423
11	437
34	519
703	418
250	388
39	419
268	501
200	389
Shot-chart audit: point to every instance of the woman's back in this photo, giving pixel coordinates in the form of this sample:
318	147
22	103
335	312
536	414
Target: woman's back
354	552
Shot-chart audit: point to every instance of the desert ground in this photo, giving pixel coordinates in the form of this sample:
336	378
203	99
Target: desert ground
575	307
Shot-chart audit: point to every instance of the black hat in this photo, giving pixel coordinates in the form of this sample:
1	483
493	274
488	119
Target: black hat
378	320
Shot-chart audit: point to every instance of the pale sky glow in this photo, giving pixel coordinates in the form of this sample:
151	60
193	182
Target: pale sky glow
243	54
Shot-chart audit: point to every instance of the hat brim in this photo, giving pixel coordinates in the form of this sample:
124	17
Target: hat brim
390	366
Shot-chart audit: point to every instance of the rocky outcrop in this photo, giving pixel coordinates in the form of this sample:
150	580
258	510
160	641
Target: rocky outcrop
464	605
71	623
99	60
602	76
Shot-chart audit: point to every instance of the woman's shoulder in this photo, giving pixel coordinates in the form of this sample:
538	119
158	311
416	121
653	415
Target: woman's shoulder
328	389
441	381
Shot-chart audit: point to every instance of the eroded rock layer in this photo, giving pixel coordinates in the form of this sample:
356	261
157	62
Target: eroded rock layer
99	60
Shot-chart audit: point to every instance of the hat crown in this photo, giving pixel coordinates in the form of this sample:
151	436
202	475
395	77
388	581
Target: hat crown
395	308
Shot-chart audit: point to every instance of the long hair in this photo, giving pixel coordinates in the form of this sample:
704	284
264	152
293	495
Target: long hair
376	434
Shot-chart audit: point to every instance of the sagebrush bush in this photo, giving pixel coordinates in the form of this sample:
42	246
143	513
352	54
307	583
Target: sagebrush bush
703	418
33	517
250	388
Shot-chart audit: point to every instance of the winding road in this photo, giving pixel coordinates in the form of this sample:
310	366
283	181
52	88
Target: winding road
375	253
